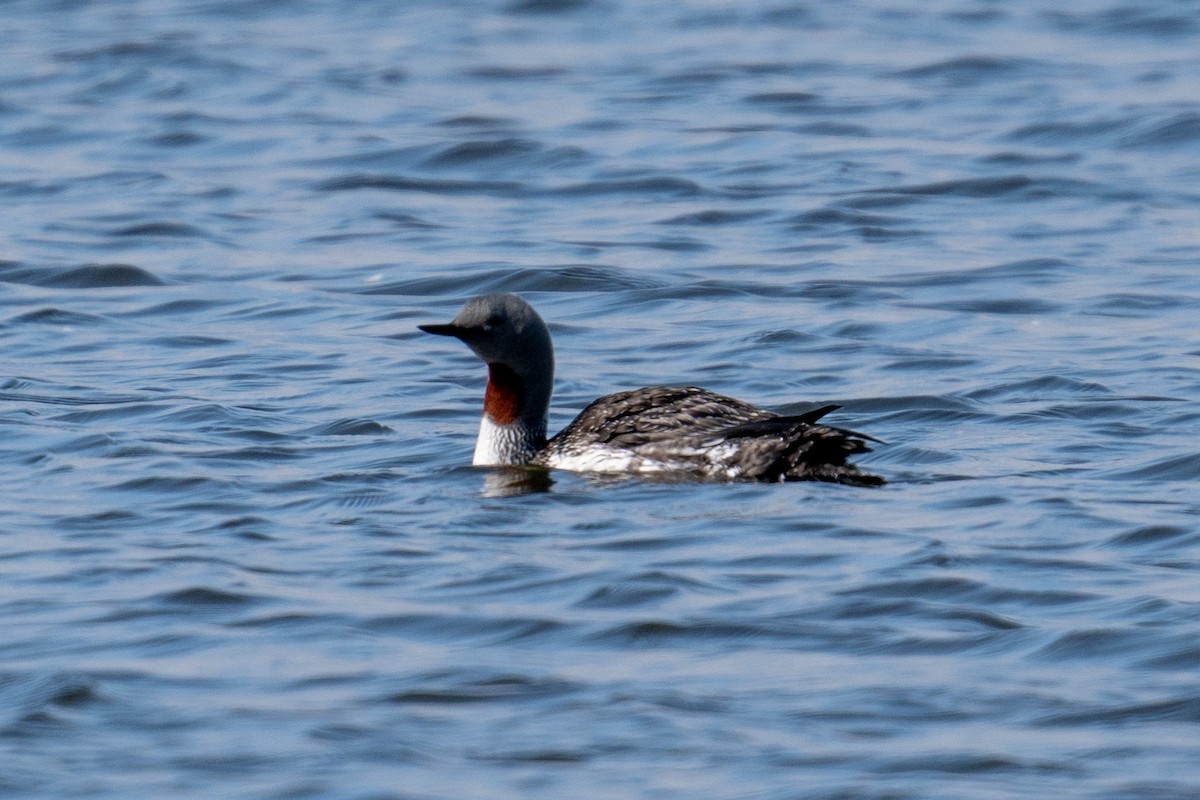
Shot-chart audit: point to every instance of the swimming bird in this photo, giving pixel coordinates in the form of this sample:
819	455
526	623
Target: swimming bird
667	430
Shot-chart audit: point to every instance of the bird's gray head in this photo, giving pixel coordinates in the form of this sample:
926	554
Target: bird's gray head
504	329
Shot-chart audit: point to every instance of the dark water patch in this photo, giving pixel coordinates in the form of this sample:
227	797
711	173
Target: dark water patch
109	520
977	16
102	276
535	757
982	619
713	218
658	185
205	596
843	218
1002	305
188	342
506	152
640	590
936	588
794	15
126	410
464	628
470	686
175	309
63	689
228	419
46	137
1181	709
88	276
870	227
508	579
399	183
1011	158
1016	187
1181	656
976	501
251	529
1125	21
1041	388
177	139
877	234
632	542
536	7
785	336
967	71
511	73
1093	643
477	121
675	245
405	220
30	704
166	485
1030	271
1165	789
1071	133
391	158
190	117
1179	130
1153	536
28	188
58	317
294	622
1138	304
691	77
907	455
790	101
812	104
257	454
672	634
898	611
1109	414
199	601
363	80
158	51
173	230
350	427
875	643
976	765
833	129
91	443
723	289
1171	468
929	404
927	363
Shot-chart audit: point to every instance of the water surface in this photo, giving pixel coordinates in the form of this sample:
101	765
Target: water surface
240	549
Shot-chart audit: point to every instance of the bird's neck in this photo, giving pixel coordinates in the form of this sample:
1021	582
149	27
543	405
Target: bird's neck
513	428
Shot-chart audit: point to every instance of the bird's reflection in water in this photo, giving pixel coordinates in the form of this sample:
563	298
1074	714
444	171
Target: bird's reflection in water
515	481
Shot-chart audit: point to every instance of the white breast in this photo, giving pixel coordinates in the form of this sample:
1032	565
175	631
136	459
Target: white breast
503	445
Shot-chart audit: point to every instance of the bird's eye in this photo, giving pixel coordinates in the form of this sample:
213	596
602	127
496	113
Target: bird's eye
493	320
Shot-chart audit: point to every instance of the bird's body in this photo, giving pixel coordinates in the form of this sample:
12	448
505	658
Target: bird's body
660	429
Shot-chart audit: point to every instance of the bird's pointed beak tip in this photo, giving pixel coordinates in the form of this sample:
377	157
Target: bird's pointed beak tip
441	330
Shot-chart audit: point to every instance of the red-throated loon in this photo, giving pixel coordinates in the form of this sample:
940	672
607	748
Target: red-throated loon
659	429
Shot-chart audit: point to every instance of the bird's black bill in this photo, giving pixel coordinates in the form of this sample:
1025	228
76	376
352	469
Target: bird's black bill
443	330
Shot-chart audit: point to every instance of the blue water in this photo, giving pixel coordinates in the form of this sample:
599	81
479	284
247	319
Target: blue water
241	553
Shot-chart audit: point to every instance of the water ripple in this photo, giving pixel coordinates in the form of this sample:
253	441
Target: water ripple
88	276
